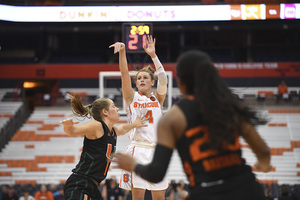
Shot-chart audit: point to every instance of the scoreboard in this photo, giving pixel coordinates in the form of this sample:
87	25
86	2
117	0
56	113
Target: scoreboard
134	35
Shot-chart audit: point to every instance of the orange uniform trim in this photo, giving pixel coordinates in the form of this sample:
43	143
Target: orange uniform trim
106	168
131	171
85	197
108	152
130	110
193	131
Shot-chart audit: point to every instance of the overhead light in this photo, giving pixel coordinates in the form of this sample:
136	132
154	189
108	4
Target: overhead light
29	84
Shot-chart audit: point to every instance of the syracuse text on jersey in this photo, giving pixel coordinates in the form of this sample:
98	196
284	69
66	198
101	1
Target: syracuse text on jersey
146	105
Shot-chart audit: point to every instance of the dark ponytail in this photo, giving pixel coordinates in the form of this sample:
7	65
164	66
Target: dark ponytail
220	109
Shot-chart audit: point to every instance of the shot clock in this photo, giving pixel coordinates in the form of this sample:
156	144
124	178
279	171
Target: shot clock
134	35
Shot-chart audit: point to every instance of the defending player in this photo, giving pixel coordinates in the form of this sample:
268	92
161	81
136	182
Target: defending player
100	136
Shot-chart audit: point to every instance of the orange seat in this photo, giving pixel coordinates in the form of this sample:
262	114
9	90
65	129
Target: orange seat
60	159
295	144
273	151
69	159
7	115
5	174
29	146
43	169
56	115
281	150
295	111
263	93
285	111
53	159
25	182
41	159
282	124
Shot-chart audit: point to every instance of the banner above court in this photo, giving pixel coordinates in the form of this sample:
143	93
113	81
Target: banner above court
162	13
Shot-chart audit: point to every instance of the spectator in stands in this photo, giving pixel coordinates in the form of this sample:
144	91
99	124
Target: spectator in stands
59	194
127	195
26	195
205	126
113	191
43	194
3	191
296	191
282	92
100	136
169	189
10	195
102	187
52	188
267	194
285	194
178	191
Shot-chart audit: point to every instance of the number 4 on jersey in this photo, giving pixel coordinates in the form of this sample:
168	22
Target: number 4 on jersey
149	116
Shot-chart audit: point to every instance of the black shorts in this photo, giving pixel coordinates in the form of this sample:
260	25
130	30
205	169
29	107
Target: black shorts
244	187
79	188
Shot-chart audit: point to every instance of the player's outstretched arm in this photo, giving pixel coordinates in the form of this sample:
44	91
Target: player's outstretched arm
128	92
91	130
125	128
258	146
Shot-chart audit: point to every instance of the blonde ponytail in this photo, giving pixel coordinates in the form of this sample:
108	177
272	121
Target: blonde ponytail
93	110
78	108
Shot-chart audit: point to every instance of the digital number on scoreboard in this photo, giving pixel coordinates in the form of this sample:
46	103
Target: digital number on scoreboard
134	35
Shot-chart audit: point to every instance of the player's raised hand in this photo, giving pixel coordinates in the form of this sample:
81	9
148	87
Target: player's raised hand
68	122
139	121
149	46
118	47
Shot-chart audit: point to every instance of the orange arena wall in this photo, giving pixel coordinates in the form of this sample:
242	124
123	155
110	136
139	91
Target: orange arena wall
91	71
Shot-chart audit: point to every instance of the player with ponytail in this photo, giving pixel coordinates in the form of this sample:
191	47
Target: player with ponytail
100	137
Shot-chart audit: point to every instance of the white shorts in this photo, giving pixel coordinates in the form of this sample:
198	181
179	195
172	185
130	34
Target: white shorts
130	179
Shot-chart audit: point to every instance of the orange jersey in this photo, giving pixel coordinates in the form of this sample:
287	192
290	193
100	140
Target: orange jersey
282	89
44	196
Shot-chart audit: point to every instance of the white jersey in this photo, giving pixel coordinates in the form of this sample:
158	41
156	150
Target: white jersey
143	142
151	109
